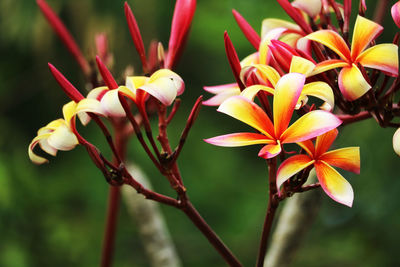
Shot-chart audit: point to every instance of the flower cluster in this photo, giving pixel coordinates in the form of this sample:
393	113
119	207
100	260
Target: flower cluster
289	66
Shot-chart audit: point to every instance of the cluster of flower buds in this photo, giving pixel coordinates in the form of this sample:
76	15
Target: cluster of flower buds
310	58
156	89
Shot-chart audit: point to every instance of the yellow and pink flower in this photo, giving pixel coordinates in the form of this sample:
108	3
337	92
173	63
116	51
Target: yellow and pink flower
332	182
275	134
352	82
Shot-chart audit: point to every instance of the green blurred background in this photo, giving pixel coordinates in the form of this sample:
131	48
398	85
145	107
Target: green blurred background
53	215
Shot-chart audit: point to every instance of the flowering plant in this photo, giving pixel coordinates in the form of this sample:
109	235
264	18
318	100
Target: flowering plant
311	57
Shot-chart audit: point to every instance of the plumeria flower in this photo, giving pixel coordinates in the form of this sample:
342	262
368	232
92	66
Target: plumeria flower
334	185
300	65
164	85
274	135
396	142
351	81
59	134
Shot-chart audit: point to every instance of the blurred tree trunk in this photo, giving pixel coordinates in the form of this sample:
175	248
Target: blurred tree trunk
151	224
297	216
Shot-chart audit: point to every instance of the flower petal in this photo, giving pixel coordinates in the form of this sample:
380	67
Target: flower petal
301	65
69	111
32	156
328	65
364	32
248	112
166	73
264	51
251	91
63	139
270	24
270	151
111	105
291	166
267	73
89	105
332	40
322	91
345	158
97	93
164	89
287	92
222	92
334	184
396	142
239	139
220	88
221	97
352	83
310	125
383	57
308	146
311	7
324	142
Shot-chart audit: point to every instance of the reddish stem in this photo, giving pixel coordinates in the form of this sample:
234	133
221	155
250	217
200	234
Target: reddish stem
273	203
217	243
114	196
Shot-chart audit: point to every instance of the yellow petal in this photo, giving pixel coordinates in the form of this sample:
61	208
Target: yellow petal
270	24
301	65
287	93
127	92
310	125
134	82
334	185
89	105
267	73
270	151
328	65
352	83
250	59
248	112
251	91
320	90
332	40
264	52
383	57
324	142
308	146
365	31
345	158
32	156
69	111
290	167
